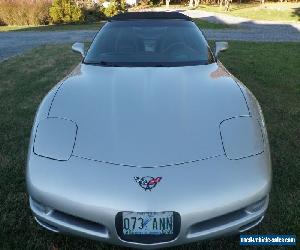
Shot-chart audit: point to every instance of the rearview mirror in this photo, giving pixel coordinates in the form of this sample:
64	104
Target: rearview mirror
220	46
78	48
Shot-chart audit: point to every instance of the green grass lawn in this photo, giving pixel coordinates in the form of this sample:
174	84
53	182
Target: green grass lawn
95	26
60	27
269	11
270	70
203	24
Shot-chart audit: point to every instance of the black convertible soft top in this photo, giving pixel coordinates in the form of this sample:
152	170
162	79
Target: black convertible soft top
149	15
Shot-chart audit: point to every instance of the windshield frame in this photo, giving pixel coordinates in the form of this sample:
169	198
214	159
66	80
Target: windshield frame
211	58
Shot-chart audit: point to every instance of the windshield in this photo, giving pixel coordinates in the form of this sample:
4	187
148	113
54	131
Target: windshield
152	43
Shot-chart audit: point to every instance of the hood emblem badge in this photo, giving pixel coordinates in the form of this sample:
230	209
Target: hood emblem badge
147	182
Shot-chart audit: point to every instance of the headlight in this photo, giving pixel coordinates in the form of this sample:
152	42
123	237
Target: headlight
55	138
241	137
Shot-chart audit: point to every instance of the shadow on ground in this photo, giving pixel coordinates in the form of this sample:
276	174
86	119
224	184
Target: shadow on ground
296	13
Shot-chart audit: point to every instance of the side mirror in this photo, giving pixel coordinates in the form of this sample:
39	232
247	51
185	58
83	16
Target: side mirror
220	46
78	48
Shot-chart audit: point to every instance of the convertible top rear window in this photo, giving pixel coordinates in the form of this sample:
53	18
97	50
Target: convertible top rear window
152	43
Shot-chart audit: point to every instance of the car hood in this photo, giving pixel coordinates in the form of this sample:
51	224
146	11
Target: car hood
148	116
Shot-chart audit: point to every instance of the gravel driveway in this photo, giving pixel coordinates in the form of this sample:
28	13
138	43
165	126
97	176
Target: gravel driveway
13	43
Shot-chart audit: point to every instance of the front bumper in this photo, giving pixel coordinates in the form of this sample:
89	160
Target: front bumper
213	197
231	223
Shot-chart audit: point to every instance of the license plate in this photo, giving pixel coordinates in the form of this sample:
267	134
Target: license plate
147	223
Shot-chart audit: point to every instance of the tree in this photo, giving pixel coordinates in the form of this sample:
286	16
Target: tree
167	4
191	3
115	7
221	3
227	4
65	11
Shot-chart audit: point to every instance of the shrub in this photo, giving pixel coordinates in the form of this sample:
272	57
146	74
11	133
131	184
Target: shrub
92	15
24	12
150	3
66	11
92	11
115	7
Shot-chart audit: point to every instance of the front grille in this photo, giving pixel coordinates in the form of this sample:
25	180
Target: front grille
46	225
79	222
217	222
55	220
148	239
251	224
238	216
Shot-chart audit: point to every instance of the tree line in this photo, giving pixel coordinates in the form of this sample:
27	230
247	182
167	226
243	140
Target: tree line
43	12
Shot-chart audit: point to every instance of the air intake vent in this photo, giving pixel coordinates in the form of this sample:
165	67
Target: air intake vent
78	222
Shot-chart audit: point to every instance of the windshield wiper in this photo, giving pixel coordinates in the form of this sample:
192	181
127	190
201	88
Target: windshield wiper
159	65
110	64
103	63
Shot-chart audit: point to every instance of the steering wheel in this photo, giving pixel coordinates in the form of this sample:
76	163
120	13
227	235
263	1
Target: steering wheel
174	46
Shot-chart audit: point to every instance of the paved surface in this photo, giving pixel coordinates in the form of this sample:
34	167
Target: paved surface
248	30
13	43
228	19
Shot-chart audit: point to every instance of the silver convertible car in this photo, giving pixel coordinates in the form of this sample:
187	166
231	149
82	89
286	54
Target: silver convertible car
150	142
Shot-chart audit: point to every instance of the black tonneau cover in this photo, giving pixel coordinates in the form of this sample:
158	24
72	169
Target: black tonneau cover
149	15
